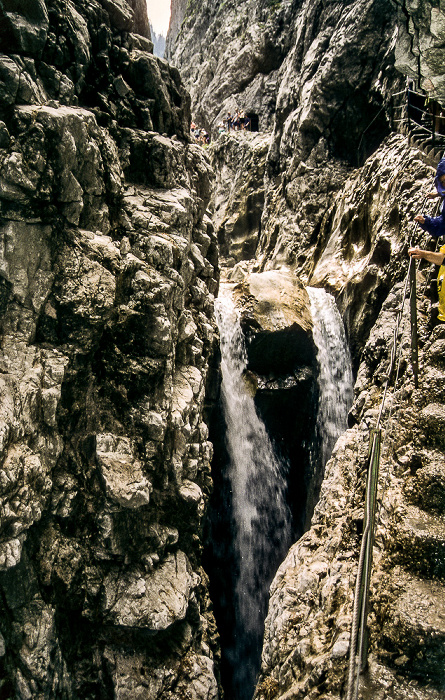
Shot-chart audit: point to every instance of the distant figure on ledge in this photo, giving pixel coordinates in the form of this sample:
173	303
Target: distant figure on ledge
435	225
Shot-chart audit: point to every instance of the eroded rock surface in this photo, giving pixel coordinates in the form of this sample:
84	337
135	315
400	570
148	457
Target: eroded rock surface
108	267
239	161
421	27
362	243
229	55
310	614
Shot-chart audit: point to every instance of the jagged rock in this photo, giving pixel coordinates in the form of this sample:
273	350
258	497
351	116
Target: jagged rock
9	81
310	613
122	474
343	222
140	23
108	267
230	57
239	160
23	27
360	249
121	13
419	43
154	601
138	680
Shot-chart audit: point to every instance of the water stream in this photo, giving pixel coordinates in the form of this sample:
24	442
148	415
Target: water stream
260	519
335	370
260	512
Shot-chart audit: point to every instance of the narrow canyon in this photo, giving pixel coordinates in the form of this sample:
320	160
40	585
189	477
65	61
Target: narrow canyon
199	341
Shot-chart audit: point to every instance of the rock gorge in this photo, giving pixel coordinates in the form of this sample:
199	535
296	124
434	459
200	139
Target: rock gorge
114	226
337	201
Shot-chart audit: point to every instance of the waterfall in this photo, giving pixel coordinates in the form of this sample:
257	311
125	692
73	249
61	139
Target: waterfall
335	378
260	514
252	523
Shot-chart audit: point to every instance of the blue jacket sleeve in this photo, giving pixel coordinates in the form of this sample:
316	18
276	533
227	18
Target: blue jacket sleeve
434	225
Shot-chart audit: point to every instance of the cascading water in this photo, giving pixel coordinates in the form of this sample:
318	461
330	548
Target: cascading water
251	528
335	378
259	510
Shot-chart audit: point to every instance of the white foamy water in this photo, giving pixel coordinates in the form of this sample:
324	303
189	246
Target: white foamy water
258	481
335	378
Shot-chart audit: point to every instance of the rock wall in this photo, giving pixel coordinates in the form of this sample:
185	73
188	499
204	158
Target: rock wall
305	653
361	248
108	267
330	115
338	205
421	27
239	160
333	77
229	55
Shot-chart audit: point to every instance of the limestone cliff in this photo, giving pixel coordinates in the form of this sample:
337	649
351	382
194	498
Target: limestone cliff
339	198
108	270
239	161
229	55
310	612
421	31
332	80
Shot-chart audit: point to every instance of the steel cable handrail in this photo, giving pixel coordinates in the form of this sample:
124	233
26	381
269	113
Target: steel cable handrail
359	608
371	515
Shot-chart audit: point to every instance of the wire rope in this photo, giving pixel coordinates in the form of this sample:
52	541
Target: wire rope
372	513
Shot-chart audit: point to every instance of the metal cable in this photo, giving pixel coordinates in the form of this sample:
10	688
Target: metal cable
360	602
363	574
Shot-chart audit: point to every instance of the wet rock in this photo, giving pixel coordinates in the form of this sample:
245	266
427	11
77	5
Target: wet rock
120	12
418	46
239	160
277	324
405	617
122	474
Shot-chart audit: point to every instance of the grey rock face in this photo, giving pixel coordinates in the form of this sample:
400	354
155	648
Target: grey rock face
293	64
360	251
108	267
84	58
345	228
228	56
333	76
310	614
239	161
23	27
421	27
308	628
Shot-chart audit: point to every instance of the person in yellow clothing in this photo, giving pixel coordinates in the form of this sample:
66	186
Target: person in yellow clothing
437	258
